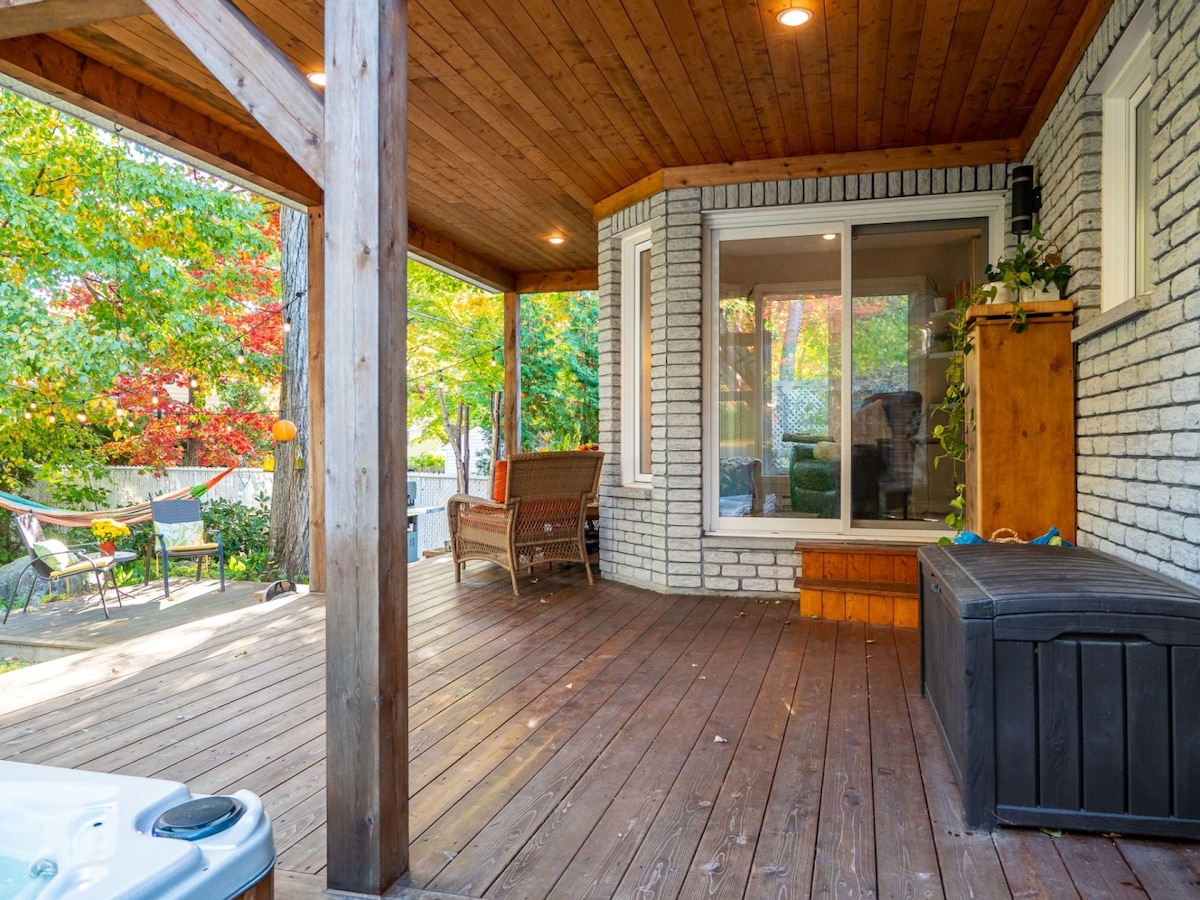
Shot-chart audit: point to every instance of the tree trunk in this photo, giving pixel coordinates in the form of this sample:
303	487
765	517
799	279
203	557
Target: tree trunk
289	493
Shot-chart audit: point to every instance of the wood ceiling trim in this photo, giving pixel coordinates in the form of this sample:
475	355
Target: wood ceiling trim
256	72
1089	23
977	153
19	18
101	91
444	253
563	280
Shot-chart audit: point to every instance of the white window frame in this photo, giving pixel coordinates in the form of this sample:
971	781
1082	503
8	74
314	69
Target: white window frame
634	295
1123	82
810	219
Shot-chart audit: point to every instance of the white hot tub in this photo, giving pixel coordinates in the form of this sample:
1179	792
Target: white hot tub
69	833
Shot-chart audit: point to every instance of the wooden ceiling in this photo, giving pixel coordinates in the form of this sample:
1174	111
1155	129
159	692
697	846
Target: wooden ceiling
532	117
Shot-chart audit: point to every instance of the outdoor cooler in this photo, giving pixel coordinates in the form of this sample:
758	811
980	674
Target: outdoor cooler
1066	685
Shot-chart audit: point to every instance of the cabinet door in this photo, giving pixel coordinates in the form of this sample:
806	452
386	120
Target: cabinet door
1021	473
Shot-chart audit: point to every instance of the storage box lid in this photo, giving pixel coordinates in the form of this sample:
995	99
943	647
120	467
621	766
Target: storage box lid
1016	579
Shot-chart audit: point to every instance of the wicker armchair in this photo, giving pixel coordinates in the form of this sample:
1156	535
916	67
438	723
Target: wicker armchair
541	519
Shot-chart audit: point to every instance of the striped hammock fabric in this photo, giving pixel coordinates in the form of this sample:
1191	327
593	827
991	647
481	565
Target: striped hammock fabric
129	515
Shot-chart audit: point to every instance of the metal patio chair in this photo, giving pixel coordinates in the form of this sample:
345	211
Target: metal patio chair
52	560
179	534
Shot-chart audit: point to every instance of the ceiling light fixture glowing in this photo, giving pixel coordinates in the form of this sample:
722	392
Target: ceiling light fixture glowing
556	239
830	236
793	16
317	78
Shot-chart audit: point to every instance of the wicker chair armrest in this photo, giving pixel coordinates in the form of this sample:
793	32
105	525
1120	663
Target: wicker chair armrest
468	500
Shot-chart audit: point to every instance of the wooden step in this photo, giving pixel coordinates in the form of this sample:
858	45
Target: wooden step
885	588
859	581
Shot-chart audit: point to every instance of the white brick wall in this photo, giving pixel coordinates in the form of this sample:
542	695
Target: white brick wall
656	537
1138	383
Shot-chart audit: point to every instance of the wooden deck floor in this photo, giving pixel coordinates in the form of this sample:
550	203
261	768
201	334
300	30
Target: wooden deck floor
584	742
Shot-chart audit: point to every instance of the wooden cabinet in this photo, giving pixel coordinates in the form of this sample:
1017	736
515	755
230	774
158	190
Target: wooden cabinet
1021	393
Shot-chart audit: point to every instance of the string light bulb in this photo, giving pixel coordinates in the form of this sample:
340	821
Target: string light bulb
241	355
28	415
287	326
195	382
52	418
81	418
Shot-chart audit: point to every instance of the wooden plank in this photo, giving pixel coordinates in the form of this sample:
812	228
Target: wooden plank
810	602
788	837
107	96
833	605
858	607
858	566
887	588
254	70
905	612
316	397
512	374
881	610
883	568
834	568
1097	868
1161	867
974	153
1032	864
366	528
905	856
24	17
844	862
561	280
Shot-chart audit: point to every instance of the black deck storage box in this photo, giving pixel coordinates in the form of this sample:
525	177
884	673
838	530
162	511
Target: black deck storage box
1066	684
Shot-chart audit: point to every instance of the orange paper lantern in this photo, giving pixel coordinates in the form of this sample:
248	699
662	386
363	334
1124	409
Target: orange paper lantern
283	431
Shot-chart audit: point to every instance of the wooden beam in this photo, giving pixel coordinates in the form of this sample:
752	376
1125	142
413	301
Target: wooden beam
512	374
939	156
562	280
366	500
1085	29
21	17
443	253
316	399
255	71
117	102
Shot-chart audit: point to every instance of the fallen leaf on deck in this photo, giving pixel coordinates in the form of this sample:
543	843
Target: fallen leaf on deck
742	614
870	640
571	685
1053	832
720	740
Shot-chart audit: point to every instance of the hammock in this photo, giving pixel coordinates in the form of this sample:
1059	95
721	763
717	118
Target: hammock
129	515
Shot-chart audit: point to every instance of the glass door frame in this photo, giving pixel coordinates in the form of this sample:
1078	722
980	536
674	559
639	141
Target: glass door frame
798	221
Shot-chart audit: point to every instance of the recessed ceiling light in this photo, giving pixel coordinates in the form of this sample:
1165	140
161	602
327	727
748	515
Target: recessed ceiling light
794	16
556	239
317	78
830	236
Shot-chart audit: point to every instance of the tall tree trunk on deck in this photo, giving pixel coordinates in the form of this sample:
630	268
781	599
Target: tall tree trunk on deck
289	492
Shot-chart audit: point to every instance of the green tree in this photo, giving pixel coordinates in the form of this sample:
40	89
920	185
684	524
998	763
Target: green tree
455	337
120	272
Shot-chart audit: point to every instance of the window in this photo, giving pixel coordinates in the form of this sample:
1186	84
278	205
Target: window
635	357
821	400
1124	83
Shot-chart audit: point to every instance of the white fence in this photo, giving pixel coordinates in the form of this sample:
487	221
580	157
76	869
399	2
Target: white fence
127	485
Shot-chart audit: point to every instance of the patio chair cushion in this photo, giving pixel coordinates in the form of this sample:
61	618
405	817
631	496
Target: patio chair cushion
191	548
178	535
90	564
500	482
55	554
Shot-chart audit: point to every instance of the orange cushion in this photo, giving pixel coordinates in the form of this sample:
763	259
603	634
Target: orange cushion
500	485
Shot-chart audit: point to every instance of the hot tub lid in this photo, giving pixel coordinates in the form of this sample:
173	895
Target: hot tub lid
1018	579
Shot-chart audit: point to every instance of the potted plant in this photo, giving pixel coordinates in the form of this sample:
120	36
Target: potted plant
107	531
1034	272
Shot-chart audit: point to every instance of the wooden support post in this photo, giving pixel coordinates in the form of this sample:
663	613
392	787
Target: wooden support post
512	374
365	486
316	398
